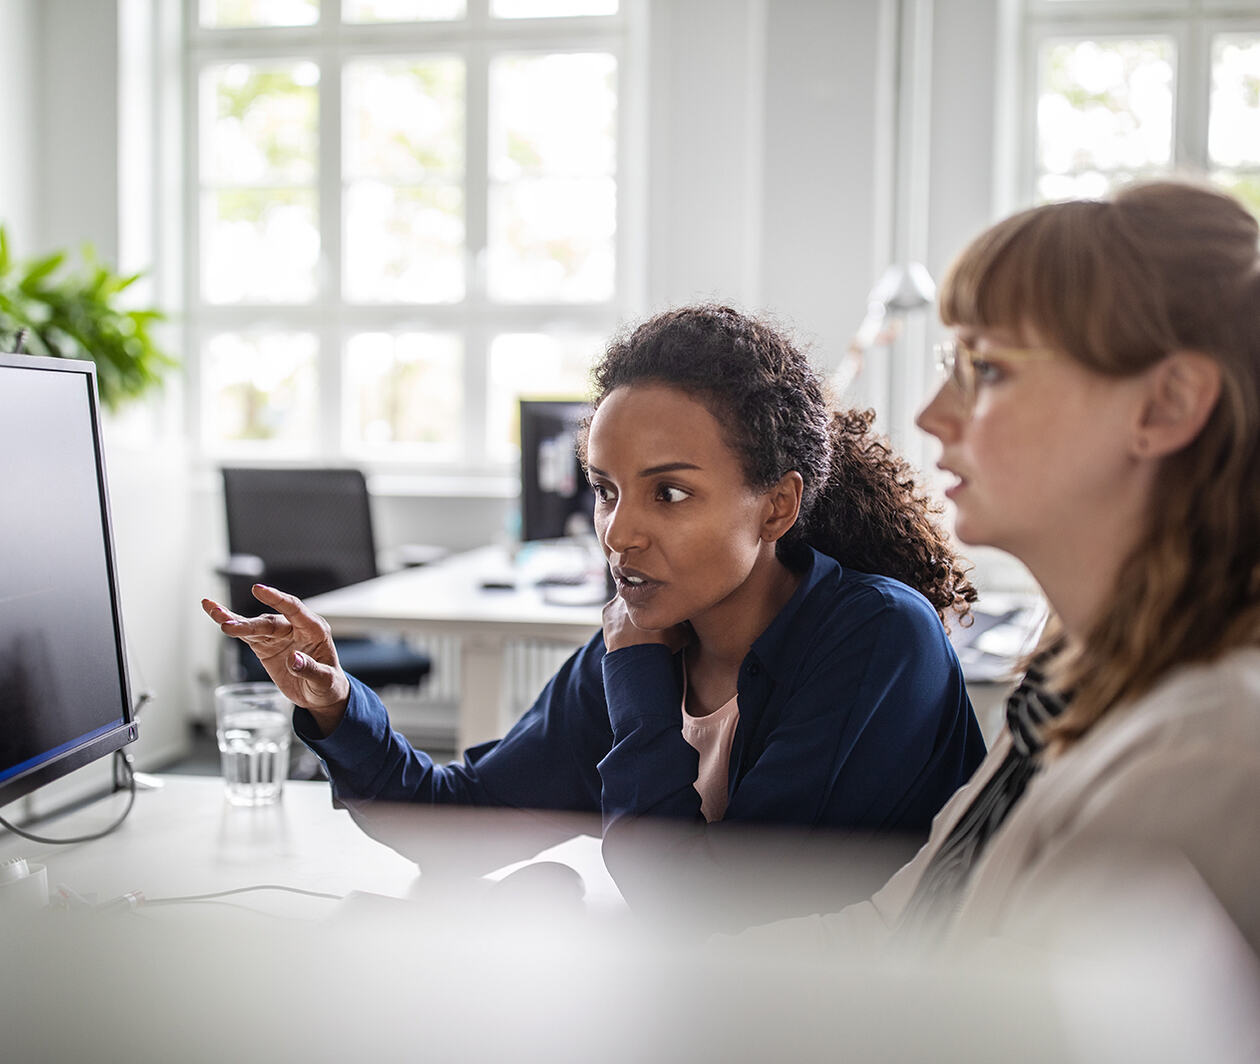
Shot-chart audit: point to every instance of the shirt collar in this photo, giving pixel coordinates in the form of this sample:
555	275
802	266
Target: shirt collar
779	645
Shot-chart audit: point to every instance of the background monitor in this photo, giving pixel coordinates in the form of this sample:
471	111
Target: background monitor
65	699
555	494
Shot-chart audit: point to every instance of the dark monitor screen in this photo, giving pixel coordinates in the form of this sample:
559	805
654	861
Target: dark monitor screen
64	694
556	497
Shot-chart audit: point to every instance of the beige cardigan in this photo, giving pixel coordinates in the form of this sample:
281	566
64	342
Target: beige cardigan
1162	791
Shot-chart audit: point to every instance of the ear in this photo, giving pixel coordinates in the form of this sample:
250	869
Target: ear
1182	390
784	504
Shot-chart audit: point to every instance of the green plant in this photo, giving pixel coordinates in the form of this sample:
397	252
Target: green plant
77	314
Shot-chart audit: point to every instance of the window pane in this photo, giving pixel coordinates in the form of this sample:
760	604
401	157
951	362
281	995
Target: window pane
259	122
404	119
552	240
551	8
1105	106
1234	120
533	366
259	246
1088	184
552	209
1245	186
404	244
259	12
404	158
405	389
260	387
401	10
553	115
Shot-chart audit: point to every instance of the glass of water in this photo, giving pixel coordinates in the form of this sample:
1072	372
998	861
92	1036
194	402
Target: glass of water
253	725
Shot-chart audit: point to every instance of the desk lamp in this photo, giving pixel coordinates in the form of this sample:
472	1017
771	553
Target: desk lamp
901	289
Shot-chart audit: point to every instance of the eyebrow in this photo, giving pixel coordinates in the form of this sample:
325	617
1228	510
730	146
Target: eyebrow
652	471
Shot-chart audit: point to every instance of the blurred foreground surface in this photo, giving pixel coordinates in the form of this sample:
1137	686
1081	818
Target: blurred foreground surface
446	943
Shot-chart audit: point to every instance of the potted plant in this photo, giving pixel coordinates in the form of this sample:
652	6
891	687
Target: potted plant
78	314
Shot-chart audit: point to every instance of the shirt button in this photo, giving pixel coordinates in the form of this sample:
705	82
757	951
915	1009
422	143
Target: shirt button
754	669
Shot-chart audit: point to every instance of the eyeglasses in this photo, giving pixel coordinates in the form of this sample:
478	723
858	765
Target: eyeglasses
956	361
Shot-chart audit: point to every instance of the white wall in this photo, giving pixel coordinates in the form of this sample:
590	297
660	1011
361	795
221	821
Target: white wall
76	144
17	122
767	185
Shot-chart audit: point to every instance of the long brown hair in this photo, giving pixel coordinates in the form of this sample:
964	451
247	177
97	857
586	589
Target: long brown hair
860	503
1118	285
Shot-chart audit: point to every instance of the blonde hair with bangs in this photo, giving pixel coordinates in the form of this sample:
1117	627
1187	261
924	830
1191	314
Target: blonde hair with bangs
1118	285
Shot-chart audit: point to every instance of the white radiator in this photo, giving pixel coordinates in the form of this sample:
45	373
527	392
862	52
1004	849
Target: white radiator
427	716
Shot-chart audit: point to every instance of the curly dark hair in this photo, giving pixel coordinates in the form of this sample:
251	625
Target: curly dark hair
860	503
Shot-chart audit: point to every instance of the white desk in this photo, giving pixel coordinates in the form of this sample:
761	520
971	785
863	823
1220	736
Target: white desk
186	839
271	975
274	977
448	598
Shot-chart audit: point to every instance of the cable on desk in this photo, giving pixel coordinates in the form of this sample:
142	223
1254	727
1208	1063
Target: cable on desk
124	776
240	890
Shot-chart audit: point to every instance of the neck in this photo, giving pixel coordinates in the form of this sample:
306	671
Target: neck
1078	573
726	631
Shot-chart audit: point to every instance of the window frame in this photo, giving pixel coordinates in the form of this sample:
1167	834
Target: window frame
1191	24
477	40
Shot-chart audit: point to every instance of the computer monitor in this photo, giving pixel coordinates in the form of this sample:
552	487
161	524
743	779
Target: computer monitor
556	497
65	699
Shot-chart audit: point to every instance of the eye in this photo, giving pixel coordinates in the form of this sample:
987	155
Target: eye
602	492
986	372
669	493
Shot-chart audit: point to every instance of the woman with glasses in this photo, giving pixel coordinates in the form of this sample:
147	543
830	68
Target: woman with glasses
1100	420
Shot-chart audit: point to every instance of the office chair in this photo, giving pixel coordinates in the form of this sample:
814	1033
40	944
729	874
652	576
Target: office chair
307	531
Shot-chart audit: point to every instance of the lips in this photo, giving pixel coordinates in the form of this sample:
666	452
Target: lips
633	586
959	480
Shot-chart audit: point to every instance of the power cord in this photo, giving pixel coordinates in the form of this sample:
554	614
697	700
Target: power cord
124	777
240	890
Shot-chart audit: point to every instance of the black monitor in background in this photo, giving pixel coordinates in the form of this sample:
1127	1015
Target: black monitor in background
556	497
65	699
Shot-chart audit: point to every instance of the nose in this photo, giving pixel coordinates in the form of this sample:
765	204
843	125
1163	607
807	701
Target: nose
942	417
620	528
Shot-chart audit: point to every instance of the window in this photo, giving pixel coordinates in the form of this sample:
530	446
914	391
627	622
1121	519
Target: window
403	216
1121	90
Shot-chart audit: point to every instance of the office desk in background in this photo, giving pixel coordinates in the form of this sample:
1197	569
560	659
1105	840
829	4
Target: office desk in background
450	598
488	601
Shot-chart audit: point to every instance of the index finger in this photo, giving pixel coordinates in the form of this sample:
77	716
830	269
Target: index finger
292	608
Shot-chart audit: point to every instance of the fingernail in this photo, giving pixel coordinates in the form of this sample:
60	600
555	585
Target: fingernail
299	660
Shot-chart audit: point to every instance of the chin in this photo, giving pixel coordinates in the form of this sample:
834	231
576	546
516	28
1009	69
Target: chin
652	620
970	532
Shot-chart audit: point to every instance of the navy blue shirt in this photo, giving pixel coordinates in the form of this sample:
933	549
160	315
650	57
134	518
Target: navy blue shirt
852	714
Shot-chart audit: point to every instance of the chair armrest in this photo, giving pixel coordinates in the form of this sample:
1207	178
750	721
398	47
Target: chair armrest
241	566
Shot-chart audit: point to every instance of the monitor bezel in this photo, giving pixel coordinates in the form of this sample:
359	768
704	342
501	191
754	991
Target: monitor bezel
118	736
583	501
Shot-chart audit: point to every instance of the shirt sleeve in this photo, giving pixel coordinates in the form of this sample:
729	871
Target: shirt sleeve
650	769
546	760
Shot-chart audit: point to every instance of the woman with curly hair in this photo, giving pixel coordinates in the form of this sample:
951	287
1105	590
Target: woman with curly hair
773	653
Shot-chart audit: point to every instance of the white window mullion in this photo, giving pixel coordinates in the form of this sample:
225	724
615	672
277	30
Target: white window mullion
194	338
332	399
1194	72
476	236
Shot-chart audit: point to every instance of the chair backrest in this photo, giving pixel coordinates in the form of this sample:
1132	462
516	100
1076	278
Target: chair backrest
311	528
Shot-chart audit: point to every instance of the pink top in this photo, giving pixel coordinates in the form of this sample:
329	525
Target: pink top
711	735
